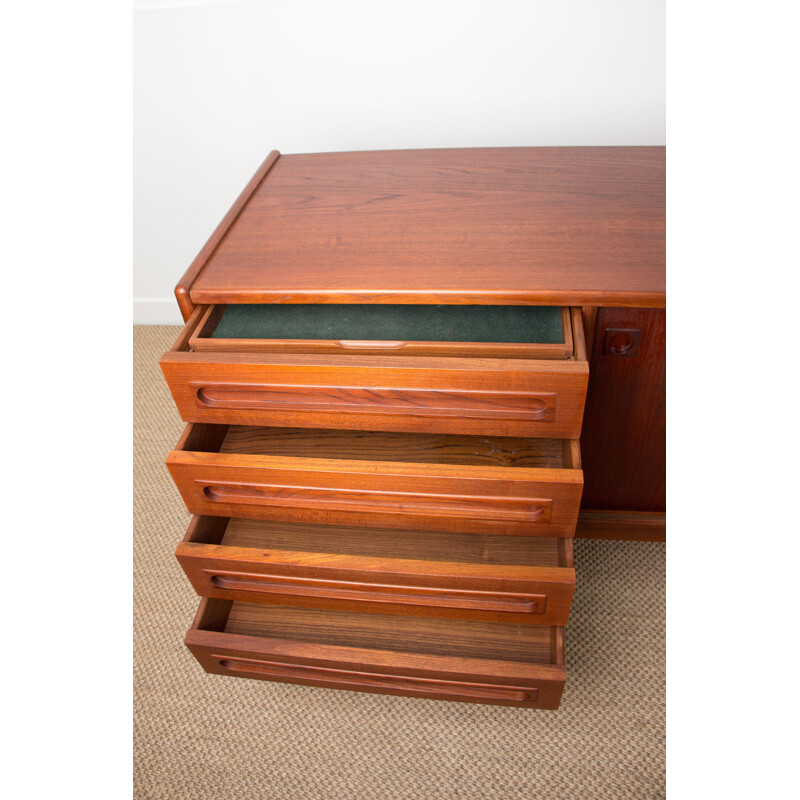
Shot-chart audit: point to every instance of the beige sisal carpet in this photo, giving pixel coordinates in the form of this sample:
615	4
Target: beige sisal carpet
207	737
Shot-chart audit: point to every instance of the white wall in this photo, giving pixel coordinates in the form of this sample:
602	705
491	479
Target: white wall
219	84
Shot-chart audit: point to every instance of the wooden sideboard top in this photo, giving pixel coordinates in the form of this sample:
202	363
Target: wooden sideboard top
538	225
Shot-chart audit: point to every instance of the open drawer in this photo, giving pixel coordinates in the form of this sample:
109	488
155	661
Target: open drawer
471	662
415	481
513	579
524	388
403	330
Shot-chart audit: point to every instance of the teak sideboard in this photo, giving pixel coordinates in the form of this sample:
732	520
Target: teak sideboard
409	379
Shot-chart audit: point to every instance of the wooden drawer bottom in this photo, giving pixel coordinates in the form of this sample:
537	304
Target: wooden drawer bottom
472	662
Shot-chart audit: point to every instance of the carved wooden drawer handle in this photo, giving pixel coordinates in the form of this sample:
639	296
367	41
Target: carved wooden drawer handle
372	680
452	403
356	344
379	593
538	409
511	509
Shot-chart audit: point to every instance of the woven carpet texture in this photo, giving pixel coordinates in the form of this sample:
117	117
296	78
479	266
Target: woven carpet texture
208	737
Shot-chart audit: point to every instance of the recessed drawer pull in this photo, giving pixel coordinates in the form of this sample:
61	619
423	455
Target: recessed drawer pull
512	509
465	403
355	344
430	686
379	593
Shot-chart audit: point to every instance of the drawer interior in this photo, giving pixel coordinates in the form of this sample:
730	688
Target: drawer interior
439	323
441	637
429	448
487	330
465	548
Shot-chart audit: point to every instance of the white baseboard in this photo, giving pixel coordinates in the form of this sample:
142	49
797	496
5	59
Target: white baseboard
156	312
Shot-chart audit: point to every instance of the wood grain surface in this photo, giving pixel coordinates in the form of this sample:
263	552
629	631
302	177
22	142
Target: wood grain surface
406	634
352	569
413	448
201	259
387	494
316	648
545	225
623	441
640	526
504	397
468	548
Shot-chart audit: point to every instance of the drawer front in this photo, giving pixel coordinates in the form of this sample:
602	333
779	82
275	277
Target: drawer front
377	671
536	595
434	497
502	397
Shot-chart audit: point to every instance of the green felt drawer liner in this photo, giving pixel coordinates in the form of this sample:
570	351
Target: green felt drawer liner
404	323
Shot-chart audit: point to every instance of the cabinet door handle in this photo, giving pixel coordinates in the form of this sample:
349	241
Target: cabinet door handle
621	342
378	593
430	686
